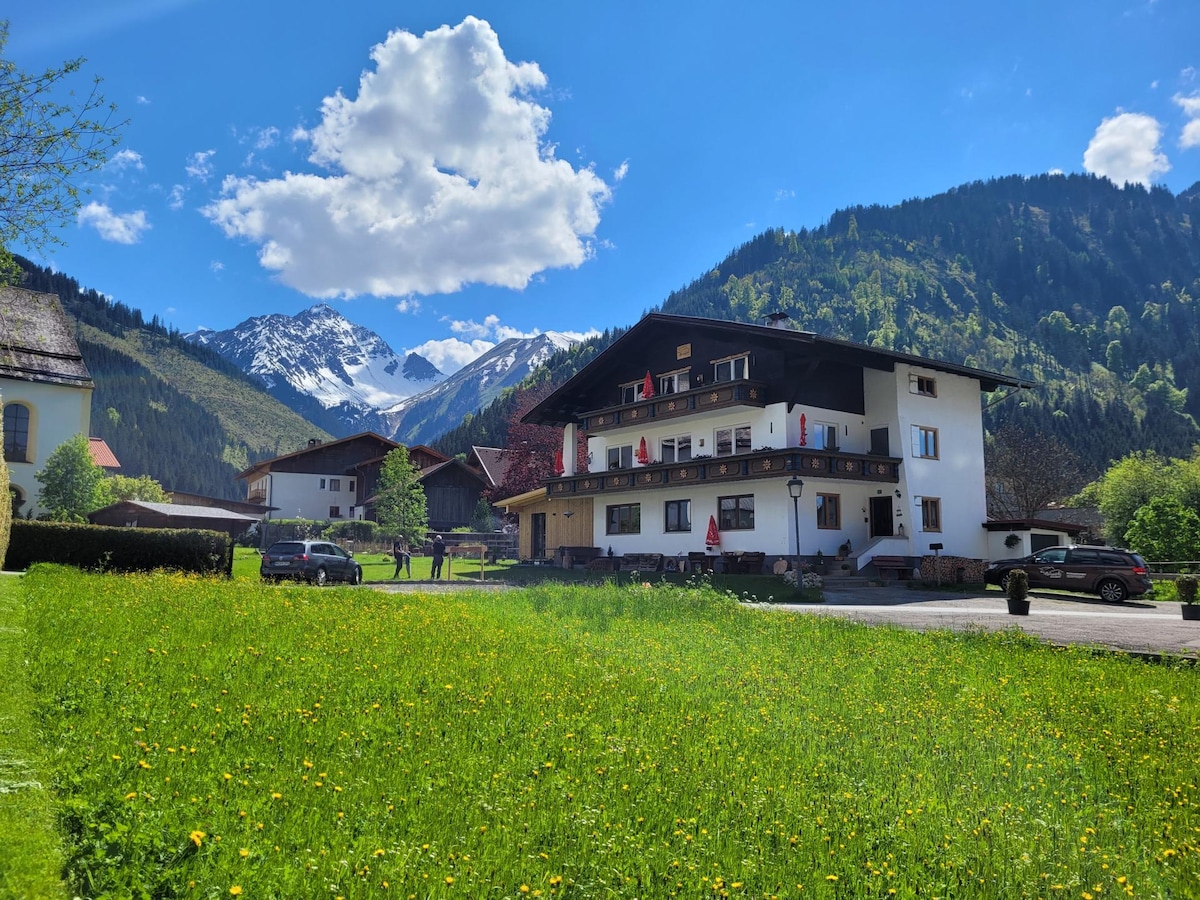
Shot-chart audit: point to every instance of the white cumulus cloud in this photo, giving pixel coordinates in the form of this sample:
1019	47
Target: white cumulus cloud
199	165
1125	148
120	228
437	174
127	159
451	354
1190	137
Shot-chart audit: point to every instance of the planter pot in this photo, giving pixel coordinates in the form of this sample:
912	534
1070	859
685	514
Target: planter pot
1191	611
1018	607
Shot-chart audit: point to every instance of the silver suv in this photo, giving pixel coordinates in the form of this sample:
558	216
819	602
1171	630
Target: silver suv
317	562
1113	574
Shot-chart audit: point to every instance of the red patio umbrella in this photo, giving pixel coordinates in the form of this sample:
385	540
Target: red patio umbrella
713	538
558	463
643	454
648	386
803	431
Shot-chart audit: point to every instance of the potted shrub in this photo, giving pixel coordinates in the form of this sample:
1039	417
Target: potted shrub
1012	541
1185	587
819	564
1018	593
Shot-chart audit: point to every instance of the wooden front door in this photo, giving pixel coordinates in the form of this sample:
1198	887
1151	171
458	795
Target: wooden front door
881	517
538	534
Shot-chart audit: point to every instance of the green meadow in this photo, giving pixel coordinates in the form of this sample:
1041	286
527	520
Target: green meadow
209	738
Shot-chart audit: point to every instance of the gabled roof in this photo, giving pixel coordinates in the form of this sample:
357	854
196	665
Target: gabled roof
266	464
494	462
101	454
36	341
181	511
802	349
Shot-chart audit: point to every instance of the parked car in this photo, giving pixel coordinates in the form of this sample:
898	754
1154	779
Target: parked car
1113	574
317	562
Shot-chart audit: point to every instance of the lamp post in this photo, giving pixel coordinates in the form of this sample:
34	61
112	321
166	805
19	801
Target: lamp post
795	488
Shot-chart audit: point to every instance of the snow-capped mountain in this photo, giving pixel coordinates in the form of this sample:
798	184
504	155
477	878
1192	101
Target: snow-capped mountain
320	355
346	379
427	415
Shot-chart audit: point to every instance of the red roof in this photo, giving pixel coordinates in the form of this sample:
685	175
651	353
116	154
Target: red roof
101	454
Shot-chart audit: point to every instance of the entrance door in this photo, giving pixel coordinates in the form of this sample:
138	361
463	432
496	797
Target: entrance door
881	517
538	533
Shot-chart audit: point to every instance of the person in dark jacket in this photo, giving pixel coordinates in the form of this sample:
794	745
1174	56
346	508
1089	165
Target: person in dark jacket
439	553
403	558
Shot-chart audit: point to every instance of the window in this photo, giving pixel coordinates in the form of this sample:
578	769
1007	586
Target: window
620	457
931	514
733	369
825	436
733	440
735	513
351	485
632	392
924	442
335	484
322	484
625	519
676	449
335	512
674	382
679	515
16	432
829	511
923	385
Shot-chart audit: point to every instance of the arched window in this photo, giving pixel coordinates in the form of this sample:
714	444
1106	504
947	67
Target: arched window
16	432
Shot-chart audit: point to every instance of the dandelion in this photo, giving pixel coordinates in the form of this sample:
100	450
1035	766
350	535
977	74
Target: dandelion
449	879
243	853
197	837
831	878
236	890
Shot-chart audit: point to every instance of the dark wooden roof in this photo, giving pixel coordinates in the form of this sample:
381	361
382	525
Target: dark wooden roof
793	362
494	462
36	342
338	456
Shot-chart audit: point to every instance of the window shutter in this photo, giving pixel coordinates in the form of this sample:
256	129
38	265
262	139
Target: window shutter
916	440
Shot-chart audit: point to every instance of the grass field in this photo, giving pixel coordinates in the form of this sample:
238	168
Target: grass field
211	739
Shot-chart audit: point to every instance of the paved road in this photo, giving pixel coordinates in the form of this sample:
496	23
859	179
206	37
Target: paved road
1135	627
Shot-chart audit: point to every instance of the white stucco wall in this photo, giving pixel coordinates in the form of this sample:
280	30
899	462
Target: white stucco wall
299	495
56	414
955	477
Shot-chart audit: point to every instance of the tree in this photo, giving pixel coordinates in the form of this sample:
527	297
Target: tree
400	499
44	144
72	485
1165	530
484	517
126	487
1135	481
1026	472
532	448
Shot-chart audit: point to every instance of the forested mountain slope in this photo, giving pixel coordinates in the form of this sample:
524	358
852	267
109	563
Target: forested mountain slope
1089	289
169	408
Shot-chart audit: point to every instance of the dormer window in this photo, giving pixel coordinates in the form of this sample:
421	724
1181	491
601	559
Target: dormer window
632	392
674	382
734	368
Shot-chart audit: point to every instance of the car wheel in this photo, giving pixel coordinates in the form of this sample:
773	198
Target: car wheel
321	577
1112	590
1004	580
356	575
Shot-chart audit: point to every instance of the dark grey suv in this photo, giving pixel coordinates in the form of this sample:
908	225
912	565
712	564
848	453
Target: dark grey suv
1114	574
317	562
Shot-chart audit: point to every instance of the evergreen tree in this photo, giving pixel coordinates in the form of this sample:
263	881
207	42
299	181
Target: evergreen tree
72	485
400	500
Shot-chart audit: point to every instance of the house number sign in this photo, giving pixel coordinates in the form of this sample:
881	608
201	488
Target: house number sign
683	351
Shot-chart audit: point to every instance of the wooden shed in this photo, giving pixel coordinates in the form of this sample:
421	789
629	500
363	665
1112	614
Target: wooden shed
546	524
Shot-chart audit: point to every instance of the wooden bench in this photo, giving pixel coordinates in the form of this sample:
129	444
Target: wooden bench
745	563
888	566
641	562
602	564
580	556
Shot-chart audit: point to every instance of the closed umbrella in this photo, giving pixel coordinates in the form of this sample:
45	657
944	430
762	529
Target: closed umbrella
558	461
713	538
643	454
648	387
803	431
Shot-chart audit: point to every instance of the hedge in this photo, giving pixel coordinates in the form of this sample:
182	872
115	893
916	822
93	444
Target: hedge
116	549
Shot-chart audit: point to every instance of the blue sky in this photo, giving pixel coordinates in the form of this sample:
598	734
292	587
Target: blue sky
451	174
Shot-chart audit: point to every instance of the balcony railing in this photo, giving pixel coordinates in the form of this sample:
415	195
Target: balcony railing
740	467
721	395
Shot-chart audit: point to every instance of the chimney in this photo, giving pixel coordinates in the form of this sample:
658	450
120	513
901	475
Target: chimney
314	442
776	319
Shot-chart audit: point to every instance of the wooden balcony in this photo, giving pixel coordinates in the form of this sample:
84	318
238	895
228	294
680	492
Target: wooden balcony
722	395
740	467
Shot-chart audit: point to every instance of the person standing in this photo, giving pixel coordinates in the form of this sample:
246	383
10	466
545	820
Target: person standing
439	553
403	558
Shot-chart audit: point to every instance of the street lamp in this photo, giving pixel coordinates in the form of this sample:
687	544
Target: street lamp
795	487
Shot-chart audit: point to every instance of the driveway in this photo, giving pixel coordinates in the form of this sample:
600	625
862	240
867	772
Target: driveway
1138	626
